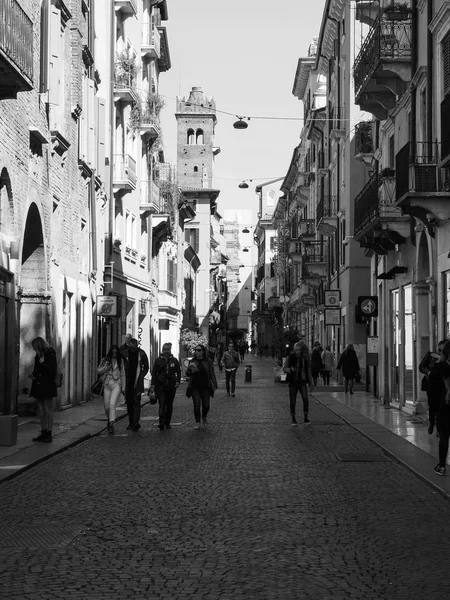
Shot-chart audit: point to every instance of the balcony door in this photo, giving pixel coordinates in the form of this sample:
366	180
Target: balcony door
394	375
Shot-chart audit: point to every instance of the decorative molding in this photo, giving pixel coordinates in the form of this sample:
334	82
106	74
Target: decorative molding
441	21
59	142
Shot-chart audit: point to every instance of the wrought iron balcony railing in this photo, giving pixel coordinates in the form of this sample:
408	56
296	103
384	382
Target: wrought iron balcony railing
364	138
386	40
367	204
16	43
314	252
326	208
417	168
124	171
151	40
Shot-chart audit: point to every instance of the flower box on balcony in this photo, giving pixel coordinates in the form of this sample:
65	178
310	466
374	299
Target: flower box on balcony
387	173
397	13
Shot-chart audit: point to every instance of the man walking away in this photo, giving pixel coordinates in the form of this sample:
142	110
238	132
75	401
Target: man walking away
166	377
136	369
230	360
124	346
298	367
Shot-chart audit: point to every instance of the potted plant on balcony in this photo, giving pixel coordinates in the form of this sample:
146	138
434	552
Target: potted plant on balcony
134	122
397	11
126	68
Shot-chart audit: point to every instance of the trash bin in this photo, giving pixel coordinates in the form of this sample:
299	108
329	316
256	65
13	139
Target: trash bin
248	373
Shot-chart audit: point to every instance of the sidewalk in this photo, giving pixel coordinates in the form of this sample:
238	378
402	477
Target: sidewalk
70	427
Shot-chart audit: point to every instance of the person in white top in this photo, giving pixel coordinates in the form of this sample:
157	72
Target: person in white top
112	371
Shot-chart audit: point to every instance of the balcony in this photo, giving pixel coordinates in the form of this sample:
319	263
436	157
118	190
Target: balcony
420	188
150	42
306	229
382	68
164	62
124	173
314	261
302	297
445	130
124	87
326	215
150	125
302	188
127	7
376	218
365	141
149	200
16	50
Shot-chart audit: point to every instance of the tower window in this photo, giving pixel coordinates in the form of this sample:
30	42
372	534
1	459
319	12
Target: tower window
199	137
195	169
190	136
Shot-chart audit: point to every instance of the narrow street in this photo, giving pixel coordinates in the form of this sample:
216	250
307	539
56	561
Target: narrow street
249	507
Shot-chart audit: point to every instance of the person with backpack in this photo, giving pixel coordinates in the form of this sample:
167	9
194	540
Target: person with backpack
298	367
43	388
166	377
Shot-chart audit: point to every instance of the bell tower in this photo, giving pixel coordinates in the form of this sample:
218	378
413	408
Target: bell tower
196	120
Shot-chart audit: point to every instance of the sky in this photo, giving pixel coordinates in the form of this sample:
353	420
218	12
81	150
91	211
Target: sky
244	53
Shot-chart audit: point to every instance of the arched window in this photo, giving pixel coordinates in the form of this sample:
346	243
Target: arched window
199	137
190	136
195	169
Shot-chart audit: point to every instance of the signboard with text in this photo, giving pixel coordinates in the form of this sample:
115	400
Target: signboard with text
107	306
332	316
332	298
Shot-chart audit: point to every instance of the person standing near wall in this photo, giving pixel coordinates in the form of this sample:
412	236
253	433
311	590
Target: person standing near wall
166	377
136	369
43	387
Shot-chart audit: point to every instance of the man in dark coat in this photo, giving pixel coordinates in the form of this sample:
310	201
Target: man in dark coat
350	367
298	367
166	377
137	367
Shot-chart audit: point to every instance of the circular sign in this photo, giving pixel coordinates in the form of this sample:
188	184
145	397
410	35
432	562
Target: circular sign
368	306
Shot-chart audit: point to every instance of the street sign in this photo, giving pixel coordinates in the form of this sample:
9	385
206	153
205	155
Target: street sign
107	306
332	316
332	298
368	306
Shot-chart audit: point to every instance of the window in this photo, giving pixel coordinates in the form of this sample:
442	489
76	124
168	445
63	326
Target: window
130	229
190	137
171	276
391	154
446	63
199	138
195	169
191	236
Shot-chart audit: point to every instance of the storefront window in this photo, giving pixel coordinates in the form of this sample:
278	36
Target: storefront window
394	379
408	348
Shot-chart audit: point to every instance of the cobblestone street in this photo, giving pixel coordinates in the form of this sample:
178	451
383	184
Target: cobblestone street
249	507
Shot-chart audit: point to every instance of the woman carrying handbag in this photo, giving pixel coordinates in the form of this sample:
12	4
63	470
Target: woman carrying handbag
112	371
202	384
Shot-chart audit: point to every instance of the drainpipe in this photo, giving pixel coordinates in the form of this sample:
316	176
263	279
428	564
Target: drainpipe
412	133
429	72
112	134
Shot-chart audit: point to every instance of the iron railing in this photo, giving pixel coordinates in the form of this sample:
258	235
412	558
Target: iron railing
151	37
314	252
364	137
124	168
367	207
417	168
387	39
123	79
16	36
326	208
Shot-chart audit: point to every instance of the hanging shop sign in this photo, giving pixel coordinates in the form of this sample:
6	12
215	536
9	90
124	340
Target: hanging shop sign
368	306
332	298
332	316
107	306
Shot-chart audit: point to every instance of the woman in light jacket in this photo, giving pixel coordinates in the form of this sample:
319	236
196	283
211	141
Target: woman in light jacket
202	383
328	365
112	370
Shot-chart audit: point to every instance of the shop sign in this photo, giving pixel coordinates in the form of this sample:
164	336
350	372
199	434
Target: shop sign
107	306
332	316
332	298
368	306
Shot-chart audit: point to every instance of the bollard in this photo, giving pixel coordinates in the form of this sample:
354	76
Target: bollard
248	373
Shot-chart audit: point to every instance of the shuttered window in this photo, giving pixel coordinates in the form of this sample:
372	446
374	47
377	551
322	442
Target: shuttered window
446	63
171	276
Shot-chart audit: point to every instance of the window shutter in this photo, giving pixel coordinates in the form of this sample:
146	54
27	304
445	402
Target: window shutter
446	63
92	153
54	64
101	127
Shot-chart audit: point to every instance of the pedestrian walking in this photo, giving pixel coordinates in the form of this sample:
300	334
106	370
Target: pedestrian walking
136	367
328	365
241	351
253	346
43	388
230	361
430	383
212	353
297	365
112	371
316	361
441	389
166	377
220	349
349	364
273	350
124	346
202	384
